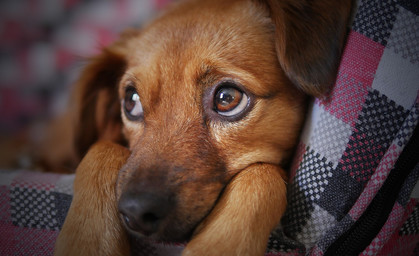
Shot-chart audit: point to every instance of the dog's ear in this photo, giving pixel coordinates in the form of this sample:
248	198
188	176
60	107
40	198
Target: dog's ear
309	36
97	113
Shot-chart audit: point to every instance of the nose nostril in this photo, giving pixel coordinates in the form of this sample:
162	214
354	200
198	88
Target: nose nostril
150	218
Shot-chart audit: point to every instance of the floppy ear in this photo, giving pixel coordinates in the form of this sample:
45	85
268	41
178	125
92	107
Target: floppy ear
97	114
309	36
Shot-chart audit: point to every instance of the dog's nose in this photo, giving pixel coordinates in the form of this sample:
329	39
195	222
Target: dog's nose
144	212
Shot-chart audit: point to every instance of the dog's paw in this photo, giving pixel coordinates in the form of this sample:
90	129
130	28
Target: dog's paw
235	225
92	225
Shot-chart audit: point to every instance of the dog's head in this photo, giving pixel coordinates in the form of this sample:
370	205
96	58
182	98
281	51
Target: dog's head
204	91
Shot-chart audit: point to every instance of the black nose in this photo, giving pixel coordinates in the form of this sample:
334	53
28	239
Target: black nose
144	212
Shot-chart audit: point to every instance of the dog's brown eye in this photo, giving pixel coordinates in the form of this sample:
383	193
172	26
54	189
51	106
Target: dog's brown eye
229	101
132	104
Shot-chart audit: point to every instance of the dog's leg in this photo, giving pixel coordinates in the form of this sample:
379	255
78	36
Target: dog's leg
92	226
249	208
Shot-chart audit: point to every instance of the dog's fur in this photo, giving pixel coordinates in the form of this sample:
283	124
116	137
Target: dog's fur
221	178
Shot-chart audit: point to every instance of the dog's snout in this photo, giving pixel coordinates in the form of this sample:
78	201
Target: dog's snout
144	212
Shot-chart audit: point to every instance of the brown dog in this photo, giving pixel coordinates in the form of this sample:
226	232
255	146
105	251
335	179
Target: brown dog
209	98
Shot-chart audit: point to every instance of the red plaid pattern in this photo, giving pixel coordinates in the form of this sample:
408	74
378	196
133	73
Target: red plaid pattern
353	139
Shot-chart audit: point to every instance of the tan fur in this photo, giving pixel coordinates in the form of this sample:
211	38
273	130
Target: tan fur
256	191
226	175
94	228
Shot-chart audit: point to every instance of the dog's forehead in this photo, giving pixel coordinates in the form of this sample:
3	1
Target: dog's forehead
194	37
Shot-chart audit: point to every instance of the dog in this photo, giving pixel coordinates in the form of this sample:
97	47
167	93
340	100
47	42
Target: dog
209	100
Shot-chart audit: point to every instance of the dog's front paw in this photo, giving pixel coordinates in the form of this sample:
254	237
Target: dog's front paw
249	209
92	226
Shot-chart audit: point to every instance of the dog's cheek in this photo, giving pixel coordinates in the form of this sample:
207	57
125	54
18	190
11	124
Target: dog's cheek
268	134
194	203
196	190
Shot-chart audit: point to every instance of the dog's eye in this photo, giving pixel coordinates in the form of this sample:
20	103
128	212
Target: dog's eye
132	104
229	101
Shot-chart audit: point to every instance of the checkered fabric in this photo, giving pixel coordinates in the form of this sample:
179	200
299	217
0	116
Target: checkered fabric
348	152
33	207
353	139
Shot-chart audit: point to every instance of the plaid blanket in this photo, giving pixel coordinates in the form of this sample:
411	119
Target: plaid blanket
352	183
33	207
349	191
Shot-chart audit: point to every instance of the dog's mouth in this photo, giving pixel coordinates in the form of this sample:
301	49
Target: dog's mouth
179	237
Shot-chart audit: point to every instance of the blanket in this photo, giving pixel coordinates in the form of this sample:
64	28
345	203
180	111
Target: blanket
353	141
353	181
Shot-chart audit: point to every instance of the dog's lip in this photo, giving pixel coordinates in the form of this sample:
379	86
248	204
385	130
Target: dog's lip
141	235
156	237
